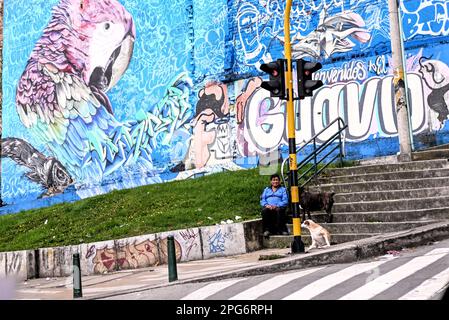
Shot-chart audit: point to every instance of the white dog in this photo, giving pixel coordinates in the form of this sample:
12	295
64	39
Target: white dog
320	236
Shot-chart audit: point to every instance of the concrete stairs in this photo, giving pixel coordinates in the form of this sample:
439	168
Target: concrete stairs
376	199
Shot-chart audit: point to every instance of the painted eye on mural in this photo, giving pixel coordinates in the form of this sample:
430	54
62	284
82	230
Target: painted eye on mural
438	78
107	26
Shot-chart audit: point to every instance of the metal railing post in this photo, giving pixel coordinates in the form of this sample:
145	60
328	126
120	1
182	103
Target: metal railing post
316	150
339	142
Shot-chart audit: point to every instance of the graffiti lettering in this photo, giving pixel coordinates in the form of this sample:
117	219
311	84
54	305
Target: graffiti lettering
425	18
355	70
366	107
379	67
90	251
189	236
217	241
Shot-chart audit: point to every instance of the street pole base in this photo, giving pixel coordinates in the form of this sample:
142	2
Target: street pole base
297	245
404	157
77	293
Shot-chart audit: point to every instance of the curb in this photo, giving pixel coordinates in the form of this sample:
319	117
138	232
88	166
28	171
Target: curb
134	252
342	253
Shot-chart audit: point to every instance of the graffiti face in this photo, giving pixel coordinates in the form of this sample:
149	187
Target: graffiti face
436	76
332	35
435	73
248	25
210	126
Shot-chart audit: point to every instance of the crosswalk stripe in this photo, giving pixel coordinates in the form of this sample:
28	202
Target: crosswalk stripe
327	282
428	288
389	279
270	285
210	289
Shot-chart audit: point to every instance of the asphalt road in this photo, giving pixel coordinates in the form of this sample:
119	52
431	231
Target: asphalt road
411	274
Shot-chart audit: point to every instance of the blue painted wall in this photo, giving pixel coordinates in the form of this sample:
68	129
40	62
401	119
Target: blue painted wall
190	99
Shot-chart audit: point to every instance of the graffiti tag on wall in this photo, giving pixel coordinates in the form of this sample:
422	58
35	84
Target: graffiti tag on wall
425	18
217	241
190	237
131	255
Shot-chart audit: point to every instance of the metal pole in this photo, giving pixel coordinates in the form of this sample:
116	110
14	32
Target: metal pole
399	85
297	244
172	272
314	158
77	287
339	142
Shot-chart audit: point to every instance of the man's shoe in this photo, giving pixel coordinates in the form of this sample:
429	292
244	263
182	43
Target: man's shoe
266	233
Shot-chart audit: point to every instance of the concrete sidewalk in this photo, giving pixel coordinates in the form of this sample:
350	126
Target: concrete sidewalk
134	280
100	286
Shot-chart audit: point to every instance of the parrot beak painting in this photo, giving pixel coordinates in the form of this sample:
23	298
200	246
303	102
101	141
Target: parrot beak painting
107	67
61	99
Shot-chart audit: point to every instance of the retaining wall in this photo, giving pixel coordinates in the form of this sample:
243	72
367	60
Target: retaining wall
135	252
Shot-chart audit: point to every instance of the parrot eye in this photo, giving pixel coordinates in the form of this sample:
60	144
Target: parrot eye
107	25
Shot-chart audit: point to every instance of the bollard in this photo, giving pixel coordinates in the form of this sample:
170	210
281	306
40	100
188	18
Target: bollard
172	273
77	290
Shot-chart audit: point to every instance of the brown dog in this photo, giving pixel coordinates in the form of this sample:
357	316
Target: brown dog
320	237
311	201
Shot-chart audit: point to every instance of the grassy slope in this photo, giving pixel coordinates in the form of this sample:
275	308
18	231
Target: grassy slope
143	210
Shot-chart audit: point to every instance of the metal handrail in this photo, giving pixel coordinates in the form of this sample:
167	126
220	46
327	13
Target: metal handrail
317	150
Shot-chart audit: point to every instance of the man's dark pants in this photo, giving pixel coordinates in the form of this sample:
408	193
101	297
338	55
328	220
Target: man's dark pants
274	220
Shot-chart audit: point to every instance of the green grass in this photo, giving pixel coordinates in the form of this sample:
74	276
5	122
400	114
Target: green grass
144	210
149	209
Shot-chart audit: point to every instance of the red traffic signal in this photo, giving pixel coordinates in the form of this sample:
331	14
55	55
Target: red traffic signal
276	84
305	83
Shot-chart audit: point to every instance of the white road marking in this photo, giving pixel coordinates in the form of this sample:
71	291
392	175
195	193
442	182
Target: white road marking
389	279
271	284
327	282
210	289
428	288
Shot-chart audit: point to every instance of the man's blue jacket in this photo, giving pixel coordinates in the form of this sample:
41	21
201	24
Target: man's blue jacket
278	198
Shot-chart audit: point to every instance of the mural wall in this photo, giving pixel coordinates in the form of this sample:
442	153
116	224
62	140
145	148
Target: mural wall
107	94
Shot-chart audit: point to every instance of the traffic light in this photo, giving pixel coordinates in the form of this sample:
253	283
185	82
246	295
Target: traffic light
305	83
276	84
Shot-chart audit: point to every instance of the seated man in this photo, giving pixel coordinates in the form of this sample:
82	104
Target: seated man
274	201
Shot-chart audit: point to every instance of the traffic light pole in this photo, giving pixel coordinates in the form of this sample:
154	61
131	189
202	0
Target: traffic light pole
297	244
